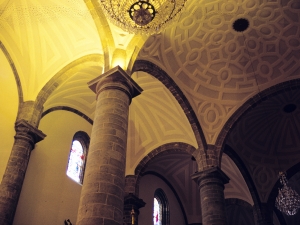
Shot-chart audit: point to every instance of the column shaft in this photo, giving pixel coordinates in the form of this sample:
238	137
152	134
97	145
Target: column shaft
211	184
11	185
102	195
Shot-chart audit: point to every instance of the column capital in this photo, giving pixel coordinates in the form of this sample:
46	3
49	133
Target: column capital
133	201
214	172
116	78
132	204
24	129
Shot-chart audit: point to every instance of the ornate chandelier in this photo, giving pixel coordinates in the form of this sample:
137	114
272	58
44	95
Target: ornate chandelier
142	16
288	200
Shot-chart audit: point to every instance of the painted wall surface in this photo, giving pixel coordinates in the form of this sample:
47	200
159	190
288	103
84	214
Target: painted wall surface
148	185
49	196
8	111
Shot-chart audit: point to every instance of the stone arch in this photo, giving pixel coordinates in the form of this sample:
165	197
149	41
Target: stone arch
103	28
15	72
170	147
63	74
160	195
69	109
162	76
247	106
247	177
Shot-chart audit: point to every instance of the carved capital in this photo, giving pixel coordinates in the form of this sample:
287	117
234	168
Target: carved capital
28	132
212	175
118	79
131	201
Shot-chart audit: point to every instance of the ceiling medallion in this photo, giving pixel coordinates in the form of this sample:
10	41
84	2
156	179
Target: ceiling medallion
288	200
142	16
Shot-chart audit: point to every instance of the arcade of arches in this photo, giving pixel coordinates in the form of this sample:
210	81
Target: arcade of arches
205	111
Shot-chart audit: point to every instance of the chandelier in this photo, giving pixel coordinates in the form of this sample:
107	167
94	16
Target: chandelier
142	16
288	200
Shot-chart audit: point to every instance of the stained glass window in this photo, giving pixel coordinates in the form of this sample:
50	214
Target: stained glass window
77	157
161	213
156	212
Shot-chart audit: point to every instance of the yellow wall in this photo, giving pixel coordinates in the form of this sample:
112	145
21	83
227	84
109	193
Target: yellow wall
8	111
48	196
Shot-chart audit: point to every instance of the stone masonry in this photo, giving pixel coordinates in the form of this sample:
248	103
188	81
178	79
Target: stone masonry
11	185
102	195
211	184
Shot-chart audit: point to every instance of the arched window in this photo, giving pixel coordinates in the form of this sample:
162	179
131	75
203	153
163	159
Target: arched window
77	156
161	212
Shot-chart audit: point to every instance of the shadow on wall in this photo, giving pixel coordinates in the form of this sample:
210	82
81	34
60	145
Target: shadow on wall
239	212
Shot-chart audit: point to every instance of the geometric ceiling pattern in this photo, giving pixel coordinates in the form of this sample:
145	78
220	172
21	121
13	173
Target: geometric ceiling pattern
177	168
267	139
75	93
237	187
43	37
155	119
218	68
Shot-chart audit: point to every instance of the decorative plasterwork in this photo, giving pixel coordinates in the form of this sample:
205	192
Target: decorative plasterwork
177	168
216	66
237	187
267	140
44	36
72	89
155	118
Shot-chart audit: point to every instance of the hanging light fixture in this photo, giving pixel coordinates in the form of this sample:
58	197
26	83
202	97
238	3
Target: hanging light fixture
288	200
142	16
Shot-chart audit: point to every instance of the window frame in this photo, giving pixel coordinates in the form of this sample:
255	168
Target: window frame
162	199
83	138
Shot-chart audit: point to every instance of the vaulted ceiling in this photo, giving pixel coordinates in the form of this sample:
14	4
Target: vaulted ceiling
64	44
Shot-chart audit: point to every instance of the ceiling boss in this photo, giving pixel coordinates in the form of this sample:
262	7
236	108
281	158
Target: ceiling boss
143	16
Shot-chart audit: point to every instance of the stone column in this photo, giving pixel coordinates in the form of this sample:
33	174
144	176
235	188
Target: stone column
211	184
11	185
132	204
102	195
